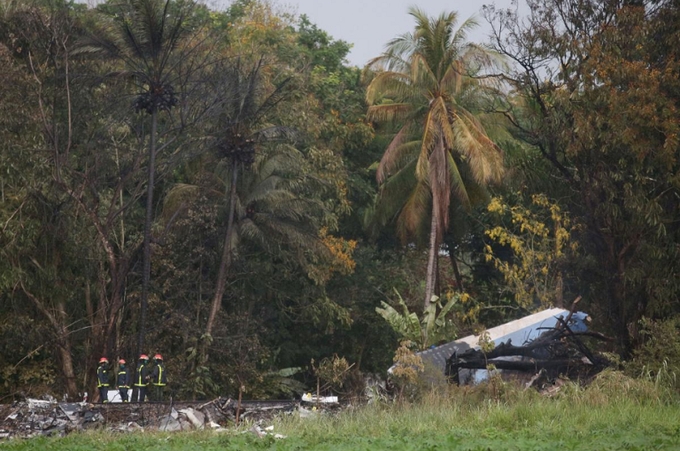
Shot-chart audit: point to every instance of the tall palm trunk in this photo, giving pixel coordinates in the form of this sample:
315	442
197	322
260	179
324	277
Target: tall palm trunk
225	263
432	260
147	233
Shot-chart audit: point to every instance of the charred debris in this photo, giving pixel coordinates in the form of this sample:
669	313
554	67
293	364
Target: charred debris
33	417
537	349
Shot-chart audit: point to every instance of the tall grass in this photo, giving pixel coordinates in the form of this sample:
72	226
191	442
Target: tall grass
612	402
614	412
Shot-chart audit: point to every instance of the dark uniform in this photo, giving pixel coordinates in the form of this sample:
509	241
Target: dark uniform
141	379
159	379
103	380
123	381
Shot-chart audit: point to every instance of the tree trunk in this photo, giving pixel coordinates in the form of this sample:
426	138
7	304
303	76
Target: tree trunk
64	345
64	350
147	234
559	290
454	264
618	305
431	262
238	405
225	262
58	320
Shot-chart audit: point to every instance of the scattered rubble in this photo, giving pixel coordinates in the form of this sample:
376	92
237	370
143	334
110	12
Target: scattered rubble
35	417
308	397
263	432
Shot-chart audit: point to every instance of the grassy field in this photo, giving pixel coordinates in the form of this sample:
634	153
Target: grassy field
614	414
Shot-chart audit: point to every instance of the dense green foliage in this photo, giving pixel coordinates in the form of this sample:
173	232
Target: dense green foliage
597	95
221	166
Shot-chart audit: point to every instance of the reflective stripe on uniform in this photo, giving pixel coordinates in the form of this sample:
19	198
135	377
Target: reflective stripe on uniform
123	373
101	372
139	382
160	377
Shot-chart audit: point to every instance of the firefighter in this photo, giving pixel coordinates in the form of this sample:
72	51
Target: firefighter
141	379
158	377
123	381
103	379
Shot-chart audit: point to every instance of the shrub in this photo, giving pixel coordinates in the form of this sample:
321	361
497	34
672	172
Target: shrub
658	357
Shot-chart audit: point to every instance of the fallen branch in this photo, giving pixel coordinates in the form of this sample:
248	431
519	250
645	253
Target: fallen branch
573	309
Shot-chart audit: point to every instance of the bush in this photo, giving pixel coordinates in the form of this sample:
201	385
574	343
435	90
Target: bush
658	357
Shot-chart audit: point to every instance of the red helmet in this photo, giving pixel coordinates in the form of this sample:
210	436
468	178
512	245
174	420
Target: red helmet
143	357
158	357
103	360
122	361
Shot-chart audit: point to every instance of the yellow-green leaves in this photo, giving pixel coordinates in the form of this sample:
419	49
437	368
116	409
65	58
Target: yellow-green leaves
539	237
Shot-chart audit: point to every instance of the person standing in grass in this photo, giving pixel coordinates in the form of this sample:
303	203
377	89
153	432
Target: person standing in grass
123	381
141	379
103	379
158	377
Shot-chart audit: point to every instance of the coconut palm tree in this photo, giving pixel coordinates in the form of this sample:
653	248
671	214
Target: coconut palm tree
429	84
240	130
145	35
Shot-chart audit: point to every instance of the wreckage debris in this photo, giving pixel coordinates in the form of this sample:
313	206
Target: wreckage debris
35	417
263	432
550	341
558	351
308	397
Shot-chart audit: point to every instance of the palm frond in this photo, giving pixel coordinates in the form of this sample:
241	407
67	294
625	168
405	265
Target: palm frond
434	125
388	112
394	85
459	38
452	81
477	193
266	193
398	149
391	197
412	219
144	35
248	230
281	163
459	186
482	155
422	74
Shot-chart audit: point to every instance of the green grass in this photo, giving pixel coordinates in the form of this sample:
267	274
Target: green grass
615	413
